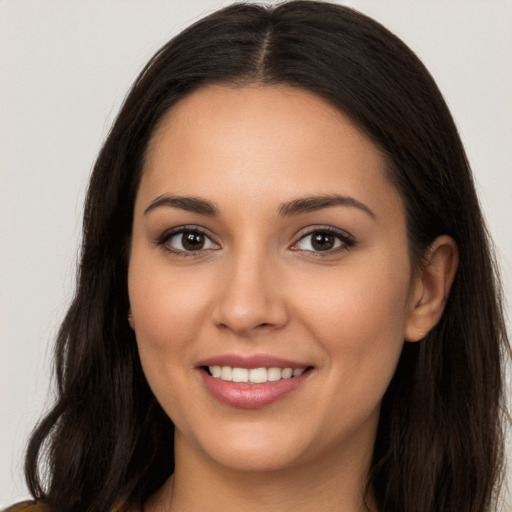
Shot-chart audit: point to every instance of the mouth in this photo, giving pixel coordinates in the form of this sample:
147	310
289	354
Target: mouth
254	375
252	383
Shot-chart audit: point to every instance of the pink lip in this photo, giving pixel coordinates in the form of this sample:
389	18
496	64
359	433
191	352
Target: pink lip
250	396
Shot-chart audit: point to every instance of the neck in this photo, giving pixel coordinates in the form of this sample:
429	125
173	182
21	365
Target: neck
200	483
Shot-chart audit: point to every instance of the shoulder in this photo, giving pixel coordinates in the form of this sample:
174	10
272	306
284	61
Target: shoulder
32	506
28	506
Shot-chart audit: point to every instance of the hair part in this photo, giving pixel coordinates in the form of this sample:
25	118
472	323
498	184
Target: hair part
440	440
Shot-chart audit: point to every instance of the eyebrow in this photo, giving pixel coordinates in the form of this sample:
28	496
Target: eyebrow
288	209
189	204
313	203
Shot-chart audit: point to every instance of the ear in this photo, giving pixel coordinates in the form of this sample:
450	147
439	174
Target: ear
131	320
431	287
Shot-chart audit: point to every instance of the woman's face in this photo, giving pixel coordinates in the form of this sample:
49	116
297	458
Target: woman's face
267	241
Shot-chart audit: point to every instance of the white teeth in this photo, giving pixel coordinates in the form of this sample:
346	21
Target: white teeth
226	373
254	375
257	375
240	375
286	373
274	374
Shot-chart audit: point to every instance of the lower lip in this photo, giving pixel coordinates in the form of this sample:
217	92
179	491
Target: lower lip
251	396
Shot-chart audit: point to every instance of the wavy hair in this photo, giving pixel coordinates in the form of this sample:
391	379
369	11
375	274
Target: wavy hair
439	445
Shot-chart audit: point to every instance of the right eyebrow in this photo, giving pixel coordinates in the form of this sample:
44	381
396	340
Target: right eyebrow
314	203
187	203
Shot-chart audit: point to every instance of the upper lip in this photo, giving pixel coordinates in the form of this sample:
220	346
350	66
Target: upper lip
254	361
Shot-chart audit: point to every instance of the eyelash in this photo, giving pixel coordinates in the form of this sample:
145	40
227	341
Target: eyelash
347	241
163	240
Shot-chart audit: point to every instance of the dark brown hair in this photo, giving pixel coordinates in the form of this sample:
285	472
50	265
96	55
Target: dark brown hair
439	445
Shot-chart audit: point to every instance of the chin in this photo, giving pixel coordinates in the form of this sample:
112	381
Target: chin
256	460
254	451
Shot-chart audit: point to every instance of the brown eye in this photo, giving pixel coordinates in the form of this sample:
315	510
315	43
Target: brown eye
192	241
323	241
188	240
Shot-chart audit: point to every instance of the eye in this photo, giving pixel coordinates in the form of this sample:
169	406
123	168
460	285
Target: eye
324	240
187	241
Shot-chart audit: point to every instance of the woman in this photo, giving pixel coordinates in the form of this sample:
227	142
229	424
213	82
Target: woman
282	201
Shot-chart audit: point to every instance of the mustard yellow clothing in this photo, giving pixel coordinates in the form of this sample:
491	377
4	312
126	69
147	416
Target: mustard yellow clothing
32	506
28	506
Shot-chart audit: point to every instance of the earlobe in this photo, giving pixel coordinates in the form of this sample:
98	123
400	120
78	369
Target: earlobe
131	320
431	287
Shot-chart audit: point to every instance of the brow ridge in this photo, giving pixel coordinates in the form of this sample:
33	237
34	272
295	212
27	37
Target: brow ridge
314	203
187	203
291	208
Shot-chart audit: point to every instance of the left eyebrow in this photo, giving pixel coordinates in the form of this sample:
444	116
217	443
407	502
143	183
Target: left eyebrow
187	203
313	203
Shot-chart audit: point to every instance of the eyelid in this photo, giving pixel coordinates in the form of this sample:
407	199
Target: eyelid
347	240
162	239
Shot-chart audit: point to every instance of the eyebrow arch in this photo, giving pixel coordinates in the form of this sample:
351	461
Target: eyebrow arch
190	204
313	203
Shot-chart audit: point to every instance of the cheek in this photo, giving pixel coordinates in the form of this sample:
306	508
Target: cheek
364	302
358	317
168	311
168	307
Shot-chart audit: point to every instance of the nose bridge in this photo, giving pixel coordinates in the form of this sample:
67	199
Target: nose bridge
250	295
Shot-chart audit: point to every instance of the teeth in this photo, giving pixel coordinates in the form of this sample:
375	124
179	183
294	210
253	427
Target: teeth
258	375
273	374
226	373
286	373
240	375
254	375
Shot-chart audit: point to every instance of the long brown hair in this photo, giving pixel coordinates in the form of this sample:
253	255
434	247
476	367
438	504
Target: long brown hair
439	445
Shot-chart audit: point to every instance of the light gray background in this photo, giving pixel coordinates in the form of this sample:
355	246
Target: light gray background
65	67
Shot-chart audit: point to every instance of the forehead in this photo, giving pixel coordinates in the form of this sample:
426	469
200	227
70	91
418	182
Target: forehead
279	112
262	139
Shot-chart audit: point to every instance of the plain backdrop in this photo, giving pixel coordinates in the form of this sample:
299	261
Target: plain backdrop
65	67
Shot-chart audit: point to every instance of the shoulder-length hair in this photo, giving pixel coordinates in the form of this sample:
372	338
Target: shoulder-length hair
439	445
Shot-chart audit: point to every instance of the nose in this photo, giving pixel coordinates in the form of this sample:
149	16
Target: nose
251	296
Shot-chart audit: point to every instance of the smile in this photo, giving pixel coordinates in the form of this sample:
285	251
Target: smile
253	375
252	383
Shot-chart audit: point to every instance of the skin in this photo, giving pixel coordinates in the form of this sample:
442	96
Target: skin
259	287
